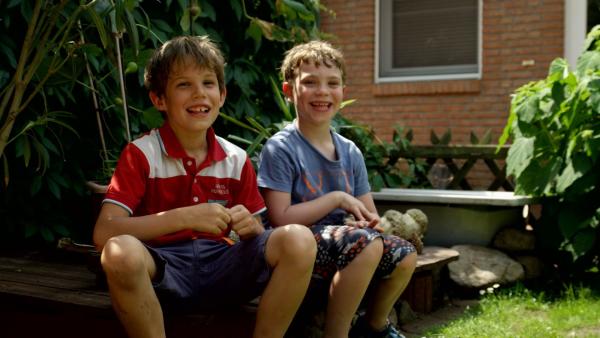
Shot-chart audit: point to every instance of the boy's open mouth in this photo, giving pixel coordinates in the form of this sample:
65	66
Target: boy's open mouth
201	109
321	105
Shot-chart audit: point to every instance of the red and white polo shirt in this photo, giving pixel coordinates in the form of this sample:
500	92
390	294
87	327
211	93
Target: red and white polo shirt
155	174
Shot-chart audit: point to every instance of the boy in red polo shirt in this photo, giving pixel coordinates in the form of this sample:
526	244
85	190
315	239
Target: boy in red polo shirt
176	194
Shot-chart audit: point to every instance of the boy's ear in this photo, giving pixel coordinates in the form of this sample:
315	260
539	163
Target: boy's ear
287	90
157	101
223	96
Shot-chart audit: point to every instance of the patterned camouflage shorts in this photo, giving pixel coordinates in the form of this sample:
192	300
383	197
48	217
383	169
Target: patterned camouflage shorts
337	245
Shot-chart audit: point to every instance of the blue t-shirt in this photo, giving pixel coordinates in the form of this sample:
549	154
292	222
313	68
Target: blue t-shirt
289	163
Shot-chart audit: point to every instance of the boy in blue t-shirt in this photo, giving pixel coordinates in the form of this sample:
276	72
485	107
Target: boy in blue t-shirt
311	175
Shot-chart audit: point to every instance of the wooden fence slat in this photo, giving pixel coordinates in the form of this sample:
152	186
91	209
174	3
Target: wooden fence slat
471	153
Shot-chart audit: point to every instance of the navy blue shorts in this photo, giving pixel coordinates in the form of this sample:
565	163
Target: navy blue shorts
208	274
338	245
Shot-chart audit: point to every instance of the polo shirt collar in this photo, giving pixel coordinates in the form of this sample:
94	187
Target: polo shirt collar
172	147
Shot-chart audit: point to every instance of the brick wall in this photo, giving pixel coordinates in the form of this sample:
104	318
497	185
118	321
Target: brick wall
513	32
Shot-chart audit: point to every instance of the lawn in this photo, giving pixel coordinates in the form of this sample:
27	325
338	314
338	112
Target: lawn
520	312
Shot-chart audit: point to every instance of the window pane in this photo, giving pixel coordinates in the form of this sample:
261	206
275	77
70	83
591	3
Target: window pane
428	37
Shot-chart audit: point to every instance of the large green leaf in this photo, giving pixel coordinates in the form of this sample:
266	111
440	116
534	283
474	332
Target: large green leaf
575	168
582	242
588	61
559	67
594	90
538	178
519	155
571	220
592	38
528	109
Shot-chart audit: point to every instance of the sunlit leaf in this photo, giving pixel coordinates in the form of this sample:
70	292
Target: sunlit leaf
588	62
519	155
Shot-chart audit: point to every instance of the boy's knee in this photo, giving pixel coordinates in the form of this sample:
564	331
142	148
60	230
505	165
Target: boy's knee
297	241
408	264
122	256
374	250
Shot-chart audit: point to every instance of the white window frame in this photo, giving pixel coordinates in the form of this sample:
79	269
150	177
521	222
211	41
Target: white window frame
575	30
388	79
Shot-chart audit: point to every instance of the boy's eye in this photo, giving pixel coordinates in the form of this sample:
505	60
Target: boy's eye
334	83
183	84
209	83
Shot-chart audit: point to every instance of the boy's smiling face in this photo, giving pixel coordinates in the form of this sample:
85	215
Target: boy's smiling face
317	92
192	98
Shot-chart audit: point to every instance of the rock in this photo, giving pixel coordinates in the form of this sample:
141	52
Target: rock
514	240
532	265
479	266
405	313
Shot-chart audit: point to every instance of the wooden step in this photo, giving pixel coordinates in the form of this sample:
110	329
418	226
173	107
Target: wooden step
51	290
423	290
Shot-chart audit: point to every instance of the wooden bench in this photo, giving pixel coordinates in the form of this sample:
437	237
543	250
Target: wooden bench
424	289
57	294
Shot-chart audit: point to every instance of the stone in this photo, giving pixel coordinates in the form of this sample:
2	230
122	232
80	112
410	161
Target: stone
514	240
532	265
479	266
404	312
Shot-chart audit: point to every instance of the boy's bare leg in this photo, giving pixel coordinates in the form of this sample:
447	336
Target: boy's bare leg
291	251
348	288
129	266
388	291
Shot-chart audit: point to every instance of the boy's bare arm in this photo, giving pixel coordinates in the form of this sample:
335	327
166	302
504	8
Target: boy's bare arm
282	212
114	220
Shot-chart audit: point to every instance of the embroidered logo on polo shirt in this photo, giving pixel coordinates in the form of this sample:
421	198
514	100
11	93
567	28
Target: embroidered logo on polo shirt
220	189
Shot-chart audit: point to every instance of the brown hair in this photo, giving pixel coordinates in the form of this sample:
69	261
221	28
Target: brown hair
318	52
198	49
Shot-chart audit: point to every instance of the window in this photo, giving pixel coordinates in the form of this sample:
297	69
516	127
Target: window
428	40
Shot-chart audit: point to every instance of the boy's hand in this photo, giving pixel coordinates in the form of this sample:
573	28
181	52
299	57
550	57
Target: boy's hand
244	223
208	217
372	223
357	208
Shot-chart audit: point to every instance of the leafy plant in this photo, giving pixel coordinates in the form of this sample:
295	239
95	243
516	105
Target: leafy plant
384	164
555	126
78	58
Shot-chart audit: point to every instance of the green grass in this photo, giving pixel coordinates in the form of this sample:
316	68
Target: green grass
519	312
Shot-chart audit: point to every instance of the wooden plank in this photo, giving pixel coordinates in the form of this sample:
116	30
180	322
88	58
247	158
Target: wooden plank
74	284
434	257
52	281
74	271
93	299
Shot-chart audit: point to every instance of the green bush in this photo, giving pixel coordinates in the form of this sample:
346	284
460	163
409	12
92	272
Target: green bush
555	126
49	126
